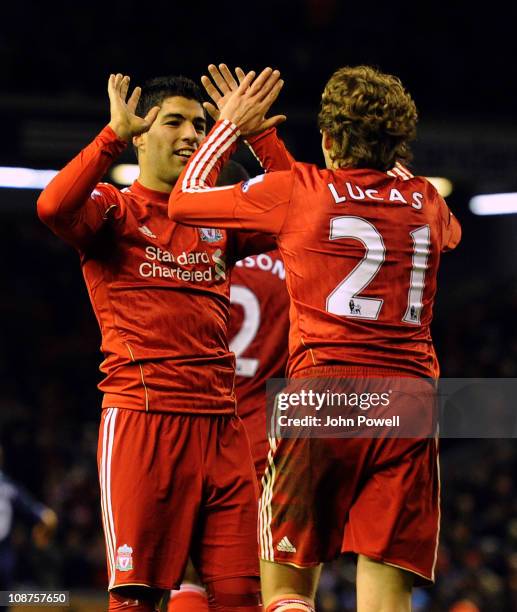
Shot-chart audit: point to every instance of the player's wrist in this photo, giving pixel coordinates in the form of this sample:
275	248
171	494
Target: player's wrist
229	124
121	132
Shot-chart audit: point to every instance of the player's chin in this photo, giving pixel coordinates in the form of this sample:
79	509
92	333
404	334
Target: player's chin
177	167
179	163
180	160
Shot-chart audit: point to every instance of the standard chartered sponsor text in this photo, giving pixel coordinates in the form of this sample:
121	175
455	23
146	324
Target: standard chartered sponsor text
154	268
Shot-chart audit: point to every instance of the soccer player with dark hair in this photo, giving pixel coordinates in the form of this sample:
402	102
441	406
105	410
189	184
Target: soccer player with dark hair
361	241
174	462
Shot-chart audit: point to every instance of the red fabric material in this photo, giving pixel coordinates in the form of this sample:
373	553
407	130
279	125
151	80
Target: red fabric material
172	486
376	497
121	603
324	221
188	601
270	151
160	291
258	332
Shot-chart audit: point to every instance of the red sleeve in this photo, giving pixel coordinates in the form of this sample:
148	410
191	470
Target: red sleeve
73	205
270	151
451	229
272	155
258	204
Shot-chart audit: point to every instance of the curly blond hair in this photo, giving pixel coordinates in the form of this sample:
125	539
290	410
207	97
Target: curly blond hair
370	117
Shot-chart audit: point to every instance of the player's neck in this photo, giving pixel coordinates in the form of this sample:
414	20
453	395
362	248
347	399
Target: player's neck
154	183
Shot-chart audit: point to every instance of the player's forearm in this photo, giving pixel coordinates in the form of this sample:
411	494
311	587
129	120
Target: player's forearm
270	151
203	209
200	175
68	191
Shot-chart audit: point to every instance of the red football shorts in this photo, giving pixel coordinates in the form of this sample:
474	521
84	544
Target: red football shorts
175	485
378	497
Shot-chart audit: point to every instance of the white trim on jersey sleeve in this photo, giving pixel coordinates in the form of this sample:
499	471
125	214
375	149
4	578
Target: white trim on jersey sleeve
207	156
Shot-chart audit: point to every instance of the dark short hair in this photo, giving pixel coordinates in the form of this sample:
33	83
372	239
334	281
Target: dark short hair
156	90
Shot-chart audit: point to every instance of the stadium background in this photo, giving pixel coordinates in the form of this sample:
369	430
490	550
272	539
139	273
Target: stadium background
458	63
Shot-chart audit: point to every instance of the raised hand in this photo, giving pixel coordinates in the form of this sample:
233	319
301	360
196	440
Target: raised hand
226	85
123	120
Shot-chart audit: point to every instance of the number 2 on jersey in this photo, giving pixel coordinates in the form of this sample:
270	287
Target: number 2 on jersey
345	299
246	366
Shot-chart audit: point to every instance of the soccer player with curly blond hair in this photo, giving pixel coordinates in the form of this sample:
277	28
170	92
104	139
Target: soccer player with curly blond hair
361	241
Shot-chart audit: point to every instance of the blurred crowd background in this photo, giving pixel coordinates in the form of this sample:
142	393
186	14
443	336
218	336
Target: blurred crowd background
458	64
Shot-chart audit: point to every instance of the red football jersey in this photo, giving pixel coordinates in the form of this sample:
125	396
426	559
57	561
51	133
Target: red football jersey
259	328
160	290
361	249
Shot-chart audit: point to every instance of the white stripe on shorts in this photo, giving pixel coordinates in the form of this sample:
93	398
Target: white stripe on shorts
267	550
108	434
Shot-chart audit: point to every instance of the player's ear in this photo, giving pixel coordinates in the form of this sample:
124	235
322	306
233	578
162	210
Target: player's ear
326	141
139	142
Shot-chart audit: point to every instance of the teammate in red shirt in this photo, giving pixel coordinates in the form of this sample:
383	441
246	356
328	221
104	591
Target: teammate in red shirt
259	328
174	464
361	246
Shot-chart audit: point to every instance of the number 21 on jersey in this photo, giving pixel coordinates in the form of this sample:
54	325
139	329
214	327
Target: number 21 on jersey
345	300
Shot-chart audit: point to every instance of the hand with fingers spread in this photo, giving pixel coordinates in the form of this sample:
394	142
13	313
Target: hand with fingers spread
123	120
226	85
